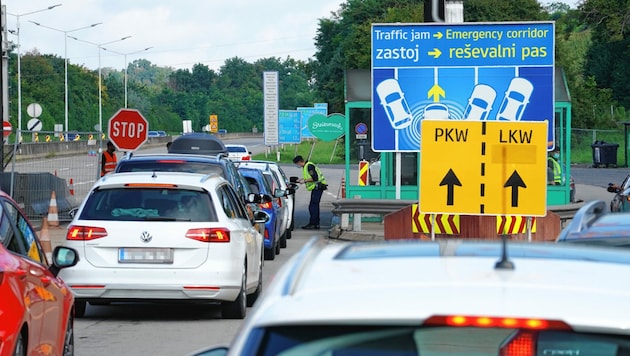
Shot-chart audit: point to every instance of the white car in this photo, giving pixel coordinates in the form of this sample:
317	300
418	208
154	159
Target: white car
394	103
238	152
515	100
165	236
447	297
285	184
480	103
436	111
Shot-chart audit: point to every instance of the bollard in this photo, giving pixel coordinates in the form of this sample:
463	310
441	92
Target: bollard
356	220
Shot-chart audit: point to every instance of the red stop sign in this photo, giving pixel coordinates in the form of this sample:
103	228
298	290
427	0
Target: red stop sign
128	129
6	127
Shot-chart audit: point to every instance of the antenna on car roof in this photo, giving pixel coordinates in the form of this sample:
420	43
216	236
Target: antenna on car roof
504	263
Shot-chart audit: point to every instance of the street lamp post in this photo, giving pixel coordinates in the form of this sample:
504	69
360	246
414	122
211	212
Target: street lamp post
125	55
100	94
65	37
19	55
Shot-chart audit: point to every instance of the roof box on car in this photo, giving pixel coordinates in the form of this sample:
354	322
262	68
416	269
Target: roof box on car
198	143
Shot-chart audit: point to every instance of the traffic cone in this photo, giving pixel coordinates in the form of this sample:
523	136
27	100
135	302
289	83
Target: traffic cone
44	239
53	216
71	187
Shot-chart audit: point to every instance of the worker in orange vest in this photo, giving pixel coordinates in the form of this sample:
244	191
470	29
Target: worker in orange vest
108	159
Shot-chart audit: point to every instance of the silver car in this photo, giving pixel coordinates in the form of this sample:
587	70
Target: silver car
448	297
165	236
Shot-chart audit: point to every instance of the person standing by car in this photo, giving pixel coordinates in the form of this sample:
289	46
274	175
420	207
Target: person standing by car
315	182
108	159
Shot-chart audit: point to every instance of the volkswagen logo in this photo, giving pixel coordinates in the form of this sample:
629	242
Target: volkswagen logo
146	237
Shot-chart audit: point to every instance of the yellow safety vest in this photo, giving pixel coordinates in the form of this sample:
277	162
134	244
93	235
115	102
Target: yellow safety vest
320	176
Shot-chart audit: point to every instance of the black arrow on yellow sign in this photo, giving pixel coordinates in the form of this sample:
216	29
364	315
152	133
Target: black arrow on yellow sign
450	180
515	181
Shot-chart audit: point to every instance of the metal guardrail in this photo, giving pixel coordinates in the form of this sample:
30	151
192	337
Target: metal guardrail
369	206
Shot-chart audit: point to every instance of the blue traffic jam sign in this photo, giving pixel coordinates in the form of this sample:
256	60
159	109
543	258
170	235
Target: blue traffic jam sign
481	71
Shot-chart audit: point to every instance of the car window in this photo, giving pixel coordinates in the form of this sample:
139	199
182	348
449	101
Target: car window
227	203
23	241
147	204
403	341
236	149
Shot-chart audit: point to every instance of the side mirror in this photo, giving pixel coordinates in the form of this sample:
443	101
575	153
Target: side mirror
290	191
293	179
294	187
612	188
73	212
265	198
260	217
279	193
253	198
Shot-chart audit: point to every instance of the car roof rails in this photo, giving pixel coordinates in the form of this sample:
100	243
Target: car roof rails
584	218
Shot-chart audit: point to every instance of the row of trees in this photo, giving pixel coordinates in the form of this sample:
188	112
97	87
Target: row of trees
592	46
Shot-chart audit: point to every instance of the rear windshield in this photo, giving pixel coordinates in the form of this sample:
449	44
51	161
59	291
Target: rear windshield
431	341
236	149
170	166
142	204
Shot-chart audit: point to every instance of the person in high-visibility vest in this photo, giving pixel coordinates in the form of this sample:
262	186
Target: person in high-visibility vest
554	170
108	159
315	182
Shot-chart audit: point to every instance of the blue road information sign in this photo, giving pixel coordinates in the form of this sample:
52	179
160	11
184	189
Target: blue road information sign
307	112
289	126
475	72
483	167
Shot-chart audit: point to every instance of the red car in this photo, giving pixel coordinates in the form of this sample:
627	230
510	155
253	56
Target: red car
36	307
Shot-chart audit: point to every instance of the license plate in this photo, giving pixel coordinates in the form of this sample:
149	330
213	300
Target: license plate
145	255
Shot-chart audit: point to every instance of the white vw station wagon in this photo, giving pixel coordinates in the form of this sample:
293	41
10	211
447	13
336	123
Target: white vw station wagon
165	236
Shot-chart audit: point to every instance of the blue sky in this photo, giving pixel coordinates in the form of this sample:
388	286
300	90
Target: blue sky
180	33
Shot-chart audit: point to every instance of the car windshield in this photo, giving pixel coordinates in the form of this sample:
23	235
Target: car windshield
236	149
143	204
429	341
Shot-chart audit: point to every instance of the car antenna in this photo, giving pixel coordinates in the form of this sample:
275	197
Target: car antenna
504	263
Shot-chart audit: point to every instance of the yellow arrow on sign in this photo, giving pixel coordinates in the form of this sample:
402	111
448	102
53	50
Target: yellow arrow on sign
436	91
436	53
438	35
483	167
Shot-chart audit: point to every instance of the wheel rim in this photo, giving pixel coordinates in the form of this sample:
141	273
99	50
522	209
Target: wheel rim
68	344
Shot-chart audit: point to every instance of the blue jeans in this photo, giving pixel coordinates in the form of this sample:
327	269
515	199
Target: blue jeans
313	206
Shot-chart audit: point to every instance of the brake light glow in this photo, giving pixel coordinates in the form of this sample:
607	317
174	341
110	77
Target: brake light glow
209	234
246	158
85	233
496	322
266	234
267	205
522	343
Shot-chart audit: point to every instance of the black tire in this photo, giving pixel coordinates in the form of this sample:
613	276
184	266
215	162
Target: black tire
79	308
251	298
277	247
68	340
288	234
283	240
270	253
20	345
238	308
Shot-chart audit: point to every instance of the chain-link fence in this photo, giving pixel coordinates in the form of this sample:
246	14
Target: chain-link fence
48	171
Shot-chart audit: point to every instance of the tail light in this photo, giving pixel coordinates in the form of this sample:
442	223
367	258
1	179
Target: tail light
266	234
521	343
209	234
280	202
267	205
246	158
85	233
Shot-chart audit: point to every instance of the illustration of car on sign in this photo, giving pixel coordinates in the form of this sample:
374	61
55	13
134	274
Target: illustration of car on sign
480	103
436	111
394	103
515	100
